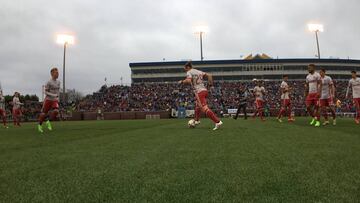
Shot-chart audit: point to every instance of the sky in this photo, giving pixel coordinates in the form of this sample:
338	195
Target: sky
109	34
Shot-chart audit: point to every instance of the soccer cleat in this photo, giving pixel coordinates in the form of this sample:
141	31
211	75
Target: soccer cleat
48	124
290	120
334	122
317	124
6	127
40	128
279	119
326	123
313	121
357	121
197	122
217	125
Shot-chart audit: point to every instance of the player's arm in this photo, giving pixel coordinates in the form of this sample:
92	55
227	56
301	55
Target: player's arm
306	89
332	90
187	81
319	85
210	79
348	90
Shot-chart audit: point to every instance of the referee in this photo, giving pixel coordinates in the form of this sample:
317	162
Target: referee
244	94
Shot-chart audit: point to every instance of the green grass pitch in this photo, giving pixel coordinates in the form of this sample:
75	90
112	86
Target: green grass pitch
164	161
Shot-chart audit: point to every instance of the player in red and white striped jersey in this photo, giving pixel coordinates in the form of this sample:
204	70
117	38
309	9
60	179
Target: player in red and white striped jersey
16	111
354	85
312	92
259	93
52	91
327	97
2	108
196	79
285	100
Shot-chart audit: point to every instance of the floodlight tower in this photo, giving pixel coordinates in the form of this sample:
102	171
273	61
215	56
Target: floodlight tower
316	28
64	39
201	30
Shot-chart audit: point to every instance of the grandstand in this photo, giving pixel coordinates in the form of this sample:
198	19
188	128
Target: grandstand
258	66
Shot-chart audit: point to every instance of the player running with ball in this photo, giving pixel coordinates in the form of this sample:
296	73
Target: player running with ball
52	92
196	79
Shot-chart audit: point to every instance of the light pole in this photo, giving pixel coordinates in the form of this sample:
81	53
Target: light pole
316	28
201	30
64	39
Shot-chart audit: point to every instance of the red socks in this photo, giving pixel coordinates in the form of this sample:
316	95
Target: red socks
212	116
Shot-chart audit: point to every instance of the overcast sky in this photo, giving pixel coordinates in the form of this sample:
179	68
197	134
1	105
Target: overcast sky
112	33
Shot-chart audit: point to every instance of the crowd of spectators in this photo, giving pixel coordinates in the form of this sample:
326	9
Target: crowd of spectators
167	96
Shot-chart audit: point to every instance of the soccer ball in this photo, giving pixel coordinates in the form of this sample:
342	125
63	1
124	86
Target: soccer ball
191	123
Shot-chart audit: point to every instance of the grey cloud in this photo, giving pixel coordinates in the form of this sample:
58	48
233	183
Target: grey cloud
110	34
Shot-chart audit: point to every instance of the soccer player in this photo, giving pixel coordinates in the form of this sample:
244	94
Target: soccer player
354	83
312	92
327	97
52	92
2	109
259	92
244	97
196	79
16	111
285	100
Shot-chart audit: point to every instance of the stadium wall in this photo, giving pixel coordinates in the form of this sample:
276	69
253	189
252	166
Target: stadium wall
79	116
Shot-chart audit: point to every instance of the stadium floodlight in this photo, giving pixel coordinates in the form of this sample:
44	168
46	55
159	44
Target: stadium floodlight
316	28
64	39
201	30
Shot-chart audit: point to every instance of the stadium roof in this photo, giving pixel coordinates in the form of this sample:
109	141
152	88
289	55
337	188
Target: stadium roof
240	61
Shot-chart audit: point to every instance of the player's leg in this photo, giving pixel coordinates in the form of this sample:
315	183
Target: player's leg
317	112
19	115
244	111
357	105
209	113
258	108
332	110
308	103
282	110
3	115
289	111
44	114
323	110
53	115
255	109
238	111
261	110
14	117
198	109
197	113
